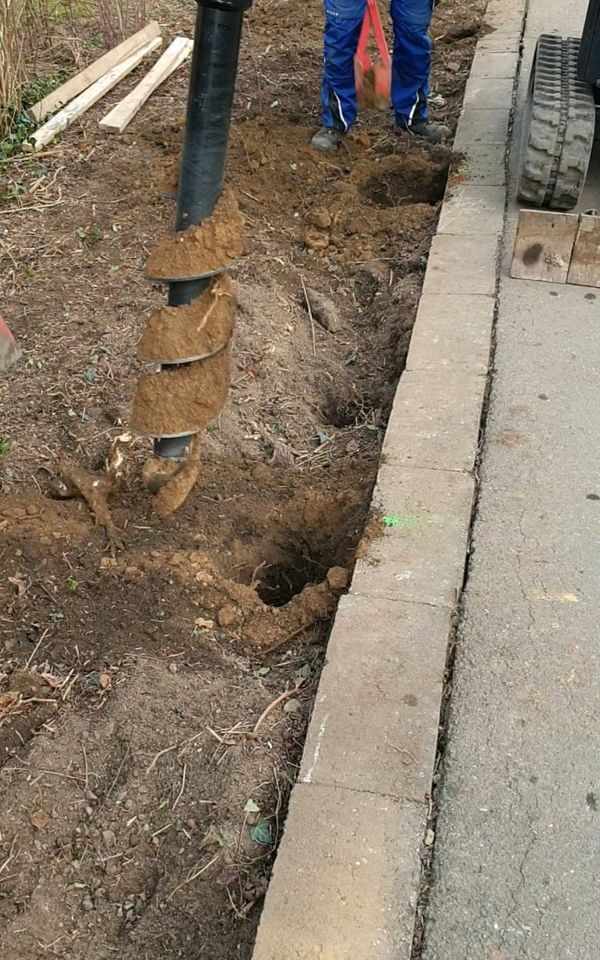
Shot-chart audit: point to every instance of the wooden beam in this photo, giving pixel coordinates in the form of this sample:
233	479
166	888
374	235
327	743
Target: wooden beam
89	97
123	113
585	263
543	245
77	84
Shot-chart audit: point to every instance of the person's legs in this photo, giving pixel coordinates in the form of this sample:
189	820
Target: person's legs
411	67
412	58
343	20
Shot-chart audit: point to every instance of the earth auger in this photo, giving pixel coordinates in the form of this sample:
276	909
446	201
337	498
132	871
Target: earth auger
190	337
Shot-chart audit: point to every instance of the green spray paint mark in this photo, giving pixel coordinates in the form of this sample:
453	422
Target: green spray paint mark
408	521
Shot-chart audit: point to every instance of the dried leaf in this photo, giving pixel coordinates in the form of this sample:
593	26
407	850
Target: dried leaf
20	584
8	700
39	820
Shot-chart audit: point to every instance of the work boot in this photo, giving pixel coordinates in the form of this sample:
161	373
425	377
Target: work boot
425	129
327	139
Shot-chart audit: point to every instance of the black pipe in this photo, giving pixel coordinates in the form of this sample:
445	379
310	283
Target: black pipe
202	171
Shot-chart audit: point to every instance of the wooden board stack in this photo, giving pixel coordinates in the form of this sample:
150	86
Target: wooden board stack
82	91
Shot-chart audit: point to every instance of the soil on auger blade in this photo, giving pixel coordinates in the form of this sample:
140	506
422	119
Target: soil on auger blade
202	250
153	705
198	329
181	400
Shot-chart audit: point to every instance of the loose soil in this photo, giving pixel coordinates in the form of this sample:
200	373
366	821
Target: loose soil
201	251
153	703
199	329
181	400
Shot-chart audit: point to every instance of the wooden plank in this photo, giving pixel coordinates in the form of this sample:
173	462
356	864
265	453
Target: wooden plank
585	262
543	245
89	97
77	84
123	113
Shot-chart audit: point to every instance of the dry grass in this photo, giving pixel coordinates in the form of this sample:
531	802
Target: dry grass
14	18
119	18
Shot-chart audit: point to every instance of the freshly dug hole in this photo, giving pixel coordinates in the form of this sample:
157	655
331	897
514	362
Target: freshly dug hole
411	179
281	581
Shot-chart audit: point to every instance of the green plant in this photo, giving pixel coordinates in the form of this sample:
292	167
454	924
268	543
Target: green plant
4	447
15	124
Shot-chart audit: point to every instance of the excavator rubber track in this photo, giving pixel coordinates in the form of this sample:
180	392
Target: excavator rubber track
558	127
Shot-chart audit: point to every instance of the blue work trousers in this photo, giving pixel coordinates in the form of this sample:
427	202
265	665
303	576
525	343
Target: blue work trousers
411	60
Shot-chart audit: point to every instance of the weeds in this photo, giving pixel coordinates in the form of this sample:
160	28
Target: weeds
18	126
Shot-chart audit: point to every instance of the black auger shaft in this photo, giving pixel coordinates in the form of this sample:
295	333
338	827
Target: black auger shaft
210	101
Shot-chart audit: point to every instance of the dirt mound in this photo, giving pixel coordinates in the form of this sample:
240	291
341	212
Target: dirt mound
410	179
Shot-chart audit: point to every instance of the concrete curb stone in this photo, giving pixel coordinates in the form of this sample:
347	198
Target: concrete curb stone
421	557
452	331
486	94
434	421
484	163
482	126
375	655
460	264
344	885
490	65
472	209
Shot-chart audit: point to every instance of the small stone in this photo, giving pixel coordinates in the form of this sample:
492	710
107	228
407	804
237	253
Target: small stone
203	624
315	240
338	578
453	66
320	218
323	310
87	904
203	577
109	838
429	838
228	616
292	706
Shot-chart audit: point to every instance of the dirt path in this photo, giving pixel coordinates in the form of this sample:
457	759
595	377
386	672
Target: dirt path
142	784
